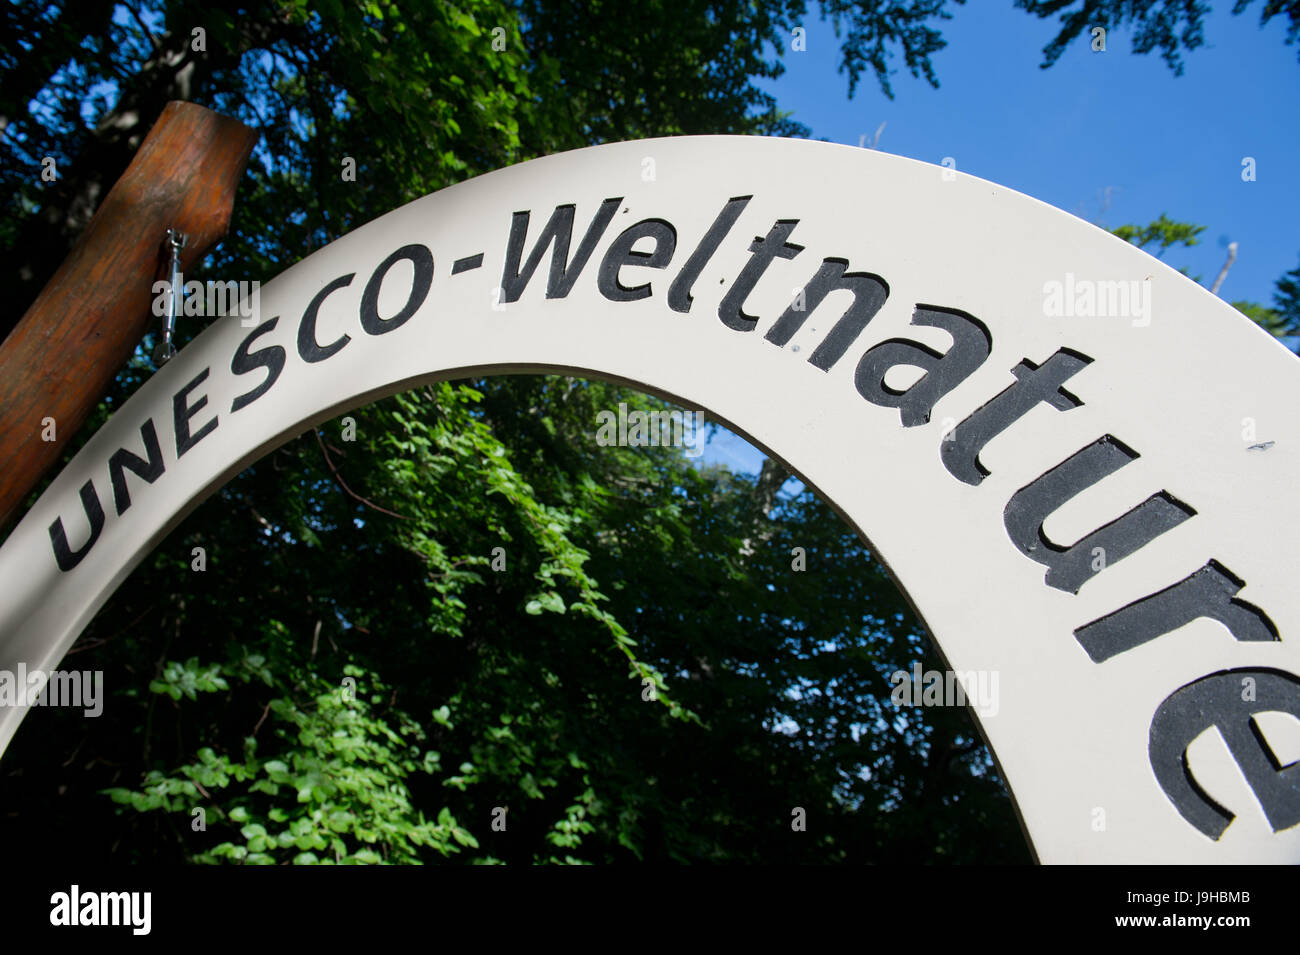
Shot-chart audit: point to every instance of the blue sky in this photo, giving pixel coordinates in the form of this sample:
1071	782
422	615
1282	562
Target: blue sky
1111	137
1094	122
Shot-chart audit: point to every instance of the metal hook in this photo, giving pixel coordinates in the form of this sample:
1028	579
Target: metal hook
165	350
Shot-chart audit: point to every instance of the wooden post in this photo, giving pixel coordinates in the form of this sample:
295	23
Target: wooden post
63	354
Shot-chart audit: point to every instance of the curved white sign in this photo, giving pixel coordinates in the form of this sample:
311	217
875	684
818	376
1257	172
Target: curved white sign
1080	466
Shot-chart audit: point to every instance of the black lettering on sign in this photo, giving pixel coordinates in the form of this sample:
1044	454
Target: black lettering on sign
1034	384
1069	568
1229	702
65	556
467	264
679	293
559	228
124	460
763	251
308	349
971	344
1210	592
869	294
271	358
183	411
422	260
622	254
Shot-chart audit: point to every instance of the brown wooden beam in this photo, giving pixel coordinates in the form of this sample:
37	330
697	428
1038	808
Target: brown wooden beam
63	354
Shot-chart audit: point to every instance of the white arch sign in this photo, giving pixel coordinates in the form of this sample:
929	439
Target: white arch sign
1080	466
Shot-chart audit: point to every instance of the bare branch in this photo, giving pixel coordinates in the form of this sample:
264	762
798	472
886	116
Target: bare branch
352	494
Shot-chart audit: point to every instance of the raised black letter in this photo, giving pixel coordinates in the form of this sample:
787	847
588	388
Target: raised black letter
1034	383
422	259
560	228
869	294
621	254
272	359
1069	568
1229	702
773	246
971	344
65	556
1207	593
307	347
679	293
122	459
183	411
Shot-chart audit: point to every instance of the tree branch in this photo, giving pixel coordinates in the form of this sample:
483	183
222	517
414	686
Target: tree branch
352	494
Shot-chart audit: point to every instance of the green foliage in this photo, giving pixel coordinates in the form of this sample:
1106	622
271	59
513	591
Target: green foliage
468	701
335	790
1164	232
871	28
1284	317
1286	300
1262	315
1170	26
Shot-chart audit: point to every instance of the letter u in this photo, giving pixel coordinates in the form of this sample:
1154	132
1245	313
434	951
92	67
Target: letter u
1069	568
66	557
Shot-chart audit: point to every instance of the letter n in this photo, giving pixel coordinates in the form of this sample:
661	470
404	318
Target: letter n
124	460
869	294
